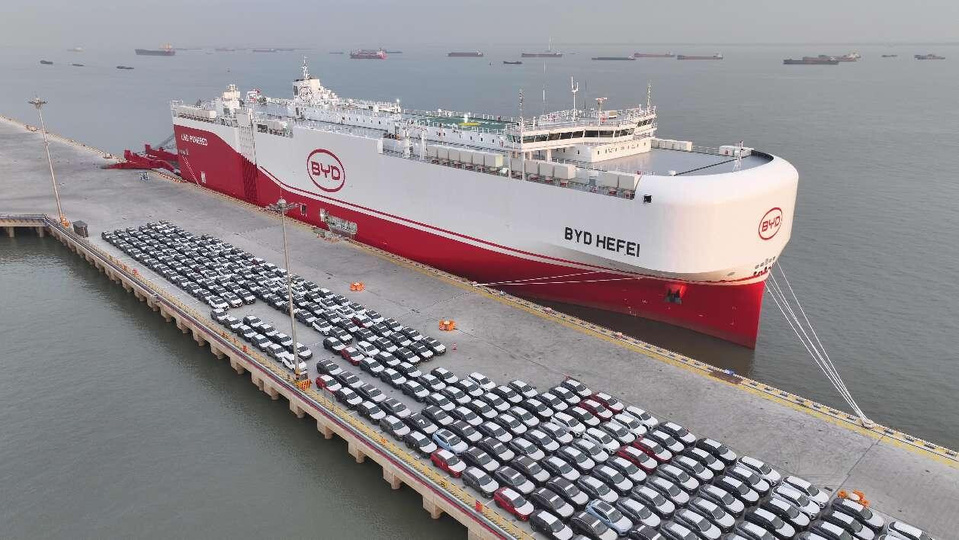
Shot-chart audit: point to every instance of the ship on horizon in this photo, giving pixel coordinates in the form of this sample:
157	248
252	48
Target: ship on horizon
465	54
717	56
165	50
653	55
548	53
821	60
368	54
928	57
582	206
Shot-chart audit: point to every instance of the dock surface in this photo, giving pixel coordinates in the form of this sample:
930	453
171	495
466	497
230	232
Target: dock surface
497	337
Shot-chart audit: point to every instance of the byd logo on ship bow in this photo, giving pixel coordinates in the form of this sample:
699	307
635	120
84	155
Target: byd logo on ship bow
770	224
326	170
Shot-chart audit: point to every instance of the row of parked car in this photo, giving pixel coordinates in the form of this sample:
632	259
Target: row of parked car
224	277
573	461
266	339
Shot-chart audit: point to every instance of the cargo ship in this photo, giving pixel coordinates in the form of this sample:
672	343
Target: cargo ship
465	54
851	57
582	206
46	62
512	62
929	57
166	50
654	55
266	50
548	53
630	58
368	54
890	56
821	60
717	56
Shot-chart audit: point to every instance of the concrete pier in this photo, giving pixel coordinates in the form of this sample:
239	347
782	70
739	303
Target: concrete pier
904	477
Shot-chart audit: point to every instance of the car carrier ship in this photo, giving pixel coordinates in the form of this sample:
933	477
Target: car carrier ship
582	206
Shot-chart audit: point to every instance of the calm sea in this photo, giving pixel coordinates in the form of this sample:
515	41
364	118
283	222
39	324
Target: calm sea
873	250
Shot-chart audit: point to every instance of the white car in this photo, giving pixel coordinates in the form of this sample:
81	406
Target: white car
762	469
698	524
713	511
908	531
635	426
483	381
860	512
573	425
771	522
647	419
806	488
602	438
851	524
797	499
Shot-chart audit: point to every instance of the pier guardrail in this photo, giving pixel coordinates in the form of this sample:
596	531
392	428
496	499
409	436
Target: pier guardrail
389	449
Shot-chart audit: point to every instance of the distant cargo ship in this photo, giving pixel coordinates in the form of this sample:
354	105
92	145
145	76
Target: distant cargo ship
465	54
368	54
124	67
654	55
224	49
46	62
630	58
75	49
851	57
394	52
717	56
929	57
890	55
77	65
512	62
166	50
821	60
548	53
337	52
265	50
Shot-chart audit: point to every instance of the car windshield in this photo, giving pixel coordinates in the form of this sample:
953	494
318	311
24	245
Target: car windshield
555	525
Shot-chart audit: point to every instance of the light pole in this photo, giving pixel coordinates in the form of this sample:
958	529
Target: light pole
282	207
38	103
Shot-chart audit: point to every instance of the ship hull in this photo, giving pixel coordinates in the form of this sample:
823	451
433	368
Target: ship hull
155	52
730	310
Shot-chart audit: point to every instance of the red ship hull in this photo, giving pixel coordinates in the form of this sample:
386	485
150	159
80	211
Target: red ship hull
729	312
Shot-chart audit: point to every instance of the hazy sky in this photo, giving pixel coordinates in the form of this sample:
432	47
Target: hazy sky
344	24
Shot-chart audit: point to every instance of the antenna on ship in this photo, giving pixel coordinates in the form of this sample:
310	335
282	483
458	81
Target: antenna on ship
521	122
649	97
306	69
544	87
573	87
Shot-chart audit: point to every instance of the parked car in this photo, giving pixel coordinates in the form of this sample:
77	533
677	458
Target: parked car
866	516
597	489
448	461
798	499
508	476
445	438
761	468
550	526
719	450
591	527
699	524
613	478
549	500
771	522
724	499
849	523
394	427
477	457
655	500
568	491
738	489
421	423
480	481
713	512
610	516
787	512
514	503
530	468
416	440
814	494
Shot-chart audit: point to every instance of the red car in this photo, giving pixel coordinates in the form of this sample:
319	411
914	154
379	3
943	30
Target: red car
638	458
327	382
514	503
448	461
597	408
609	401
352	355
653	449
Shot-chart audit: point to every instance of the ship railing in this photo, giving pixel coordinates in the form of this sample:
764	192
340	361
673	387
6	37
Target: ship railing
517	174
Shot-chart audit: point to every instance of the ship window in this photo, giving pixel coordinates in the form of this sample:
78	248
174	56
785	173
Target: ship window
567	135
261	128
592	133
554	136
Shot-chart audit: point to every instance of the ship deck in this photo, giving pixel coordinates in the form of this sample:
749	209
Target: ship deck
662	161
498	336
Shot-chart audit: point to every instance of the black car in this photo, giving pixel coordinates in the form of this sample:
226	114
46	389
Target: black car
416	440
328	367
479	458
568	491
498	450
415	390
438	416
480	481
549	525
552	502
466	432
396	408
589	526
420	422
531	469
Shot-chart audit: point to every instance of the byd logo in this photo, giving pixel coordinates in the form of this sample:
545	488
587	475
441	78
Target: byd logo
326	170
770	223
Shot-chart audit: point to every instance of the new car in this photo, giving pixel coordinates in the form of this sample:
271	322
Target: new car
639	458
724	499
613	478
693	468
420	423
510	500
719	450
771	522
629	469
549	500
653	449
706	459
597	489
479	458
577	458
678	432
761	468
638	512
394	426
866	516
667	440
448	461
568	491
591	527
647	419
498	450
482	380
415	390
713	512
396	408
738	489
610	516
480	481
752	479
577	387
697	523
508	476
531	469
550	526
524	447
679	477
416	440
815	494
597	409
557	432
569	422
669	489
371	411
849	523
496	431
438	416
325	382
787	512
445	438
798	499
611	403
